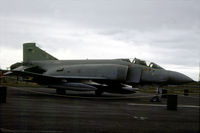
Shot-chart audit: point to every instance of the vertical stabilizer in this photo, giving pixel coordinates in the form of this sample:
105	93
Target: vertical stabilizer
32	53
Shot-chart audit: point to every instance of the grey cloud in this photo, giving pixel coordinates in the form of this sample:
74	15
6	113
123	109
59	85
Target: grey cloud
121	14
165	32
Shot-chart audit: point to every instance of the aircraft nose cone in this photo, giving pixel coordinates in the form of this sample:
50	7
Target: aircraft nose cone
178	78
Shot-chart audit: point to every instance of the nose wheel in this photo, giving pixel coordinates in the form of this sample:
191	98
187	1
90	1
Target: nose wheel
156	99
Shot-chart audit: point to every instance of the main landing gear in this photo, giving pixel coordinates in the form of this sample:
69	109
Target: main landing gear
60	91
98	92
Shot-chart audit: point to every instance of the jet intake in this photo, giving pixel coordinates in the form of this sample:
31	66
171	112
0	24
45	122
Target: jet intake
134	75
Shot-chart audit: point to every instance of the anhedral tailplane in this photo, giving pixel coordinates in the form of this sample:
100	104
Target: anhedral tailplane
33	53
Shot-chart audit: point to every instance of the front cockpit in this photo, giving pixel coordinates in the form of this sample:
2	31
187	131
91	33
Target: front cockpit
142	62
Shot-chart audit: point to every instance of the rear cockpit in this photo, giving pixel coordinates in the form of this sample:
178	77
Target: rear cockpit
154	65
142	62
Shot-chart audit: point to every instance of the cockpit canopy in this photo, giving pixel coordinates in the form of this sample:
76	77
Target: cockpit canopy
154	65
142	62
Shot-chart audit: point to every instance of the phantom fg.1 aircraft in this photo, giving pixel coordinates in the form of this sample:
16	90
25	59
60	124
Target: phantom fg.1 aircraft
114	76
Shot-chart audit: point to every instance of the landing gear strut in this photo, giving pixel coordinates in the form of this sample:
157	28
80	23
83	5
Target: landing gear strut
60	91
159	92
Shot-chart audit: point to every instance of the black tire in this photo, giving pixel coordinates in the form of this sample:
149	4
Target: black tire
60	91
155	99
98	92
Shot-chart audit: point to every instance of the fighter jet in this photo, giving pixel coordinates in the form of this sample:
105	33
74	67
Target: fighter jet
109	75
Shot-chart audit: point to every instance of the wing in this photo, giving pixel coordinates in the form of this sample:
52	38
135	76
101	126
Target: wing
108	78
49	77
60	82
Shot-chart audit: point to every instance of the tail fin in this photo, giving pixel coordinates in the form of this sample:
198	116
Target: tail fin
32	53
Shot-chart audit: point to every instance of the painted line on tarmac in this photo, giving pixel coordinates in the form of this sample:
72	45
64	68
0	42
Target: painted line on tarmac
161	105
81	97
196	97
27	131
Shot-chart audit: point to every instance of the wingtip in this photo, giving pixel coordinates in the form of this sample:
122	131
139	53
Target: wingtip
7	73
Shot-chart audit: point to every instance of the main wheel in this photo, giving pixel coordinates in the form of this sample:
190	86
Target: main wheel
98	92
60	91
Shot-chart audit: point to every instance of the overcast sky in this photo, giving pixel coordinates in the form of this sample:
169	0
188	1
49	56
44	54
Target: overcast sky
166	32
